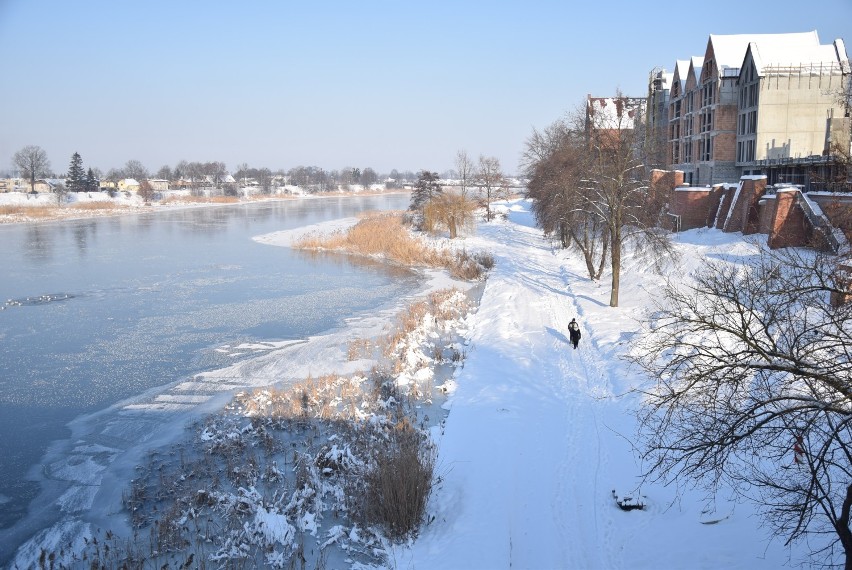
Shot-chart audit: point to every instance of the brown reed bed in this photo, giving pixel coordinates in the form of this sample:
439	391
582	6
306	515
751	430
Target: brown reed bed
96	206
37	212
386	235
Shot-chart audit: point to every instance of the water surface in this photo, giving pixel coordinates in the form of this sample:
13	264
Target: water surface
95	311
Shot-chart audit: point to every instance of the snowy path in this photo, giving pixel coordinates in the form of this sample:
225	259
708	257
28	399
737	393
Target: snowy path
539	435
528	399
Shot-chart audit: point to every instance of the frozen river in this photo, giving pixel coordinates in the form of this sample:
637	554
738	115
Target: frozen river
101	310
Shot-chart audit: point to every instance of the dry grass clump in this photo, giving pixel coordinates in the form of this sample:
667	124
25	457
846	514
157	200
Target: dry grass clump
37	212
95	206
386	235
326	397
360	348
378	234
396	485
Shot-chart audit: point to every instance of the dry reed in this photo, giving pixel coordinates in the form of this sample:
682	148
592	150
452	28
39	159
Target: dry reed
96	206
386	235
28	211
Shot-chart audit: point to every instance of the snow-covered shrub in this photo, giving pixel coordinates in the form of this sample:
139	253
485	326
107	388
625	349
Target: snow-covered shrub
397	483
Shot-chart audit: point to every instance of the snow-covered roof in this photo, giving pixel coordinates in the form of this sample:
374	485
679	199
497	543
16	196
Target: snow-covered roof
729	50
681	72
696	63
816	58
614	112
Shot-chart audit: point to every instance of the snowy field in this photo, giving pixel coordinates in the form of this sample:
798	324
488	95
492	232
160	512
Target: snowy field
538	436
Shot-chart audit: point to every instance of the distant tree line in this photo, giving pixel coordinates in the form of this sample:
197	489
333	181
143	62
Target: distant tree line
32	163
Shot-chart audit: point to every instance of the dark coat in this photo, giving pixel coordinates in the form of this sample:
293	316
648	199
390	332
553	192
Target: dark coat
574	331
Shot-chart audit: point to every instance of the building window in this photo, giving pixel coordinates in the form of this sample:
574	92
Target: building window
687	150
705	149
708	94
706	121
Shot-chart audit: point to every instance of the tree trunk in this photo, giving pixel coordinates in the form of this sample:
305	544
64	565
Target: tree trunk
616	272
842	528
605	248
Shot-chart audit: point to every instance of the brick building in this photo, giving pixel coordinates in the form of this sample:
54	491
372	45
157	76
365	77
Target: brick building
757	104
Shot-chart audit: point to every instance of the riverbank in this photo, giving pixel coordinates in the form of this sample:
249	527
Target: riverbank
20	207
538	441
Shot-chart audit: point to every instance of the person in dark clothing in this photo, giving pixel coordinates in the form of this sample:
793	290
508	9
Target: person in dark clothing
574	332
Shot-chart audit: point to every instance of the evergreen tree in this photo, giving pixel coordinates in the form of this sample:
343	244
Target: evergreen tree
92	183
426	189
76	178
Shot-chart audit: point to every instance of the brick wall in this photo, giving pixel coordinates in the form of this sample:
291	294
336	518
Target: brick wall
691	205
767	206
725	199
663	183
744	214
790	228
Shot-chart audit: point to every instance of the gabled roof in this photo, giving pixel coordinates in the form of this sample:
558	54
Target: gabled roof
697	64
680	72
781	56
729	50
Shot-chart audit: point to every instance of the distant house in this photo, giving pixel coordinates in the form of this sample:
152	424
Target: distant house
46	185
128	184
610	117
212	181
158	185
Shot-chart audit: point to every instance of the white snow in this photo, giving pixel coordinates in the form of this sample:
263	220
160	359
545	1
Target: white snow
538	436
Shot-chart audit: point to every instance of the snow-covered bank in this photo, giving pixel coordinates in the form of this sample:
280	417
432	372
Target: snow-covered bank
23	207
86	475
539	435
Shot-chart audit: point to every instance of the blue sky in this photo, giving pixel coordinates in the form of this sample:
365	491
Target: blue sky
382	84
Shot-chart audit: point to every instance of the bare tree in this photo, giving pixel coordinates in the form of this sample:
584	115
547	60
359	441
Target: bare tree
616	182
146	191
590	183
134	169
560	204
33	163
180	169
264	178
165	173
466	170
60	192
754	389
491	181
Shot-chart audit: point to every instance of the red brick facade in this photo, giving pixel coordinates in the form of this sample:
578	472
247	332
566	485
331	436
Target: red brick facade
691	205
790	227
744	215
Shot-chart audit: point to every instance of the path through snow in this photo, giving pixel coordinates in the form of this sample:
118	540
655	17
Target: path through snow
538	435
